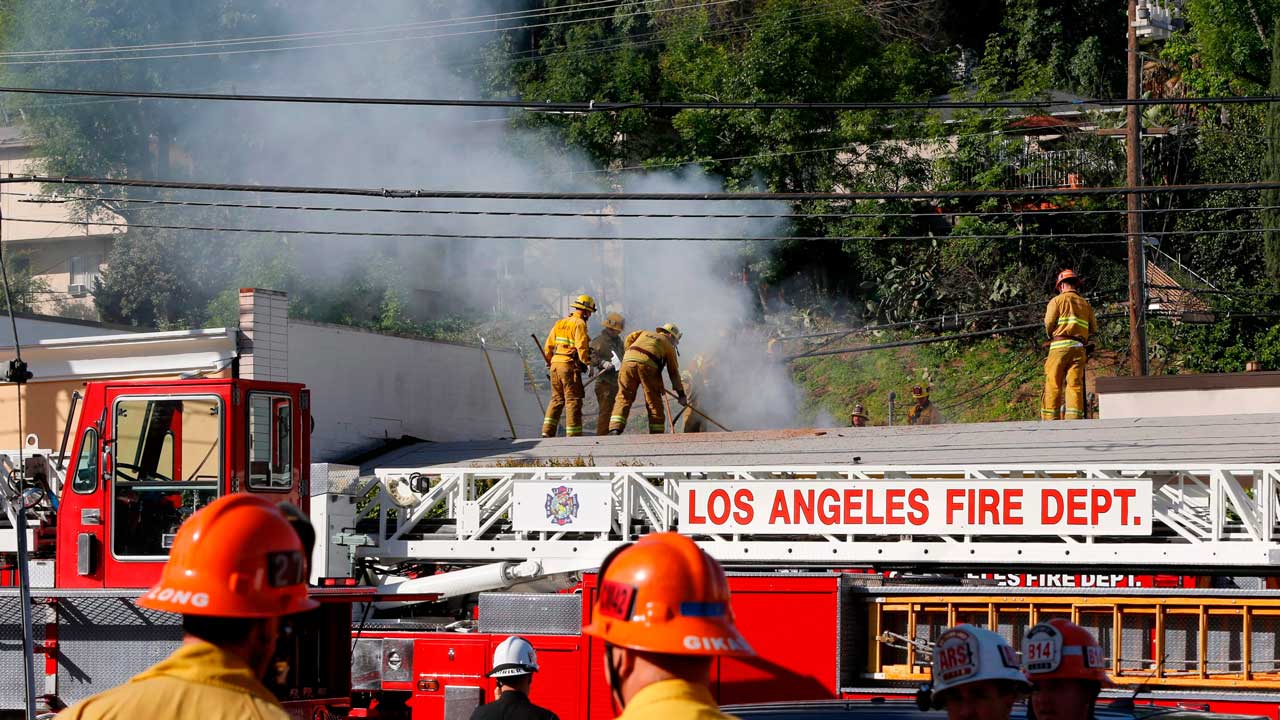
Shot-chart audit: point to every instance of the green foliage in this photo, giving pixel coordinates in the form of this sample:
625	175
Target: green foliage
1231	40
995	379
1271	198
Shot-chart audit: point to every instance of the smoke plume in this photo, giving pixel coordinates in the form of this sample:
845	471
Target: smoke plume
697	285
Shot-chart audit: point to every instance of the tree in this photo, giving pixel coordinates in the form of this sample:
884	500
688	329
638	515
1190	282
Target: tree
1271	198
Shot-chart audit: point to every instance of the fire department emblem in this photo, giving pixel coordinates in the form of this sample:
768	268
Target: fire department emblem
562	505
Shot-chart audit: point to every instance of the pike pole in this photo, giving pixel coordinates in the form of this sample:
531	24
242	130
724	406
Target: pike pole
710	419
498	387
528	373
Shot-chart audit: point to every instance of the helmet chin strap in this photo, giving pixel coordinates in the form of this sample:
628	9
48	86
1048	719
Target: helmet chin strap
615	680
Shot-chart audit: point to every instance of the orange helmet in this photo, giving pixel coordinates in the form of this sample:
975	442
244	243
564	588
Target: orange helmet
237	557
615	322
663	594
1062	650
1067	274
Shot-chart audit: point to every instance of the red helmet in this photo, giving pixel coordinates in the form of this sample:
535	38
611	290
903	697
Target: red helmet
663	594
1067	274
1062	650
237	557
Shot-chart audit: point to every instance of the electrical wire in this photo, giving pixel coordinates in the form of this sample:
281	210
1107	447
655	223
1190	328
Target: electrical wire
607	215
614	106
406	194
261	39
940	338
1095	295
354	43
1073	238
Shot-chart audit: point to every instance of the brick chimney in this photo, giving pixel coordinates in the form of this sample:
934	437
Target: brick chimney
264	334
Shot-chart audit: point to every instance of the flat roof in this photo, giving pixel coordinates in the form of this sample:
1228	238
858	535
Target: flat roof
1245	439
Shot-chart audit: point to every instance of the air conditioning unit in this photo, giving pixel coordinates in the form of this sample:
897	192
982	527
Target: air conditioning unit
78	289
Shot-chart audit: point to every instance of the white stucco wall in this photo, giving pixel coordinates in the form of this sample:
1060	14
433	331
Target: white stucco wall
367	387
1172	403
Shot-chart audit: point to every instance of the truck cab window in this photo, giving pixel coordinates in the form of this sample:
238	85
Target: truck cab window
168	463
270	442
86	477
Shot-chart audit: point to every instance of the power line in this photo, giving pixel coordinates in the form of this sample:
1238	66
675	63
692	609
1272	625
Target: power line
405	194
604	215
1116	237
613	106
939	318
354	43
262	39
1072	238
938	339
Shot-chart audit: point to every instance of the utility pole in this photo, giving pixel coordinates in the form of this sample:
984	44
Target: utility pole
1133	155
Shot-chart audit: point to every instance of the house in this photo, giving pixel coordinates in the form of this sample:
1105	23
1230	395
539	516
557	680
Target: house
44	236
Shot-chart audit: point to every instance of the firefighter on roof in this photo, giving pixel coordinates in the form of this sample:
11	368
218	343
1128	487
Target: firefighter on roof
924	412
1070	323
514	663
568	353
859	416
237	567
648	352
700	383
1067	669
663	614
607	344
976	675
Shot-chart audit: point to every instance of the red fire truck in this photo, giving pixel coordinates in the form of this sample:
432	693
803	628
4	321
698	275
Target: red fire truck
452	560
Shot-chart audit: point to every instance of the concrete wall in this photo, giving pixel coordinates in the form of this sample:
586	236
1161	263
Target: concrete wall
367	388
1189	395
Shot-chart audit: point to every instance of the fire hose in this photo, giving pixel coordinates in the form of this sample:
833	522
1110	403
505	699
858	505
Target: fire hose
691	406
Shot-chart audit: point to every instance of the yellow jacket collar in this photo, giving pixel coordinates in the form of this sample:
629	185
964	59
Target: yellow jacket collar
207	664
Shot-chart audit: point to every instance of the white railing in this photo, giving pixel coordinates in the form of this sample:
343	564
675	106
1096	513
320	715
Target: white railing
1149	516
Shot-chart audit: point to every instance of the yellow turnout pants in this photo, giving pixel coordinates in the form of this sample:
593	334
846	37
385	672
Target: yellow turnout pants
1065	364
566	394
606	391
630	378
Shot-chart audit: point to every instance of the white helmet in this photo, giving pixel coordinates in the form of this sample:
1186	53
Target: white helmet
967	654
513	656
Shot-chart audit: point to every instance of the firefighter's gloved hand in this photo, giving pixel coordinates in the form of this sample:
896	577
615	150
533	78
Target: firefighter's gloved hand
605	366
684	399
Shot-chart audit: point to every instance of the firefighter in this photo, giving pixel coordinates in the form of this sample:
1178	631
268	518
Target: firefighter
859	416
1067	669
568	354
236	569
924	412
699	384
1070	323
514	663
648	352
663	614
607	344
976	675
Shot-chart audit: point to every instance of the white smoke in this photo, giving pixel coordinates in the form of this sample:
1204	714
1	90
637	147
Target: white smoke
694	284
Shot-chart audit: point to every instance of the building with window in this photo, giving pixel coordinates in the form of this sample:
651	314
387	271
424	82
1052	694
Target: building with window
43	236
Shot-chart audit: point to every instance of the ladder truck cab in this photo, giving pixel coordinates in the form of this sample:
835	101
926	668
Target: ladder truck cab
147	455
144	456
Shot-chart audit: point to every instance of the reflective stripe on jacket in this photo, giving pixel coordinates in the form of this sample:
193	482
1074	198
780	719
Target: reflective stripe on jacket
1070	317
568	341
652	348
198	681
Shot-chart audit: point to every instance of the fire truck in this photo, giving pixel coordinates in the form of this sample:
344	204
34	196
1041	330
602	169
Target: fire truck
842	574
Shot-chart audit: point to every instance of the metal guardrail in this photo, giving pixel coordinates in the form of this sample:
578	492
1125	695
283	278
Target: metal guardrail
1201	519
1178	641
